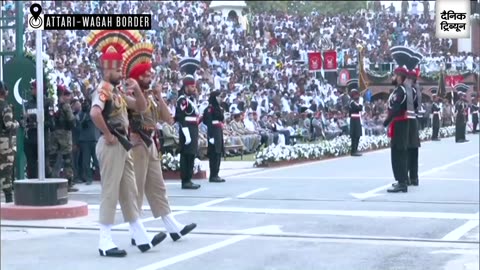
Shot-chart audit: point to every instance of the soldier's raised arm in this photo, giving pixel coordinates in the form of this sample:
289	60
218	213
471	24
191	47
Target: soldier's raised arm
163	113
137	103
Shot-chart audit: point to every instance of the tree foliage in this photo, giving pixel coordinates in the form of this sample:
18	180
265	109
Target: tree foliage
306	7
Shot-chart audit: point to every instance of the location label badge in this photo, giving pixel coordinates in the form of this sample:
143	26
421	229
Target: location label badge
35	20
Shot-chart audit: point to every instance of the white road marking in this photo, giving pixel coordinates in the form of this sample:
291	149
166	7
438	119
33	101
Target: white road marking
457	251
370	193
461	231
205	204
373	192
246	194
353	213
361	178
197	252
446	166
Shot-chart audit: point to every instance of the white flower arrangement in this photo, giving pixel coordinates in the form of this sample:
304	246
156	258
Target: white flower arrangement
49	74
332	148
172	163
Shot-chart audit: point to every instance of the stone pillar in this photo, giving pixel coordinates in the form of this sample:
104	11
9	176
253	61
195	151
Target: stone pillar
475	36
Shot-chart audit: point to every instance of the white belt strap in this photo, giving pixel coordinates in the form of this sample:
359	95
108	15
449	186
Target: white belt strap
191	119
355	115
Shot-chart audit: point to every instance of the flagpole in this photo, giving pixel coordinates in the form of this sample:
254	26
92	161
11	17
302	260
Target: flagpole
40	111
1	42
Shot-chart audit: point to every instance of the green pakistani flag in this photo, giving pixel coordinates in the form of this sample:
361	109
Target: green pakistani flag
17	74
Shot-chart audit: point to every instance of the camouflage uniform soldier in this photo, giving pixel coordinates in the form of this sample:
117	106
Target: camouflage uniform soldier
8	126
61	139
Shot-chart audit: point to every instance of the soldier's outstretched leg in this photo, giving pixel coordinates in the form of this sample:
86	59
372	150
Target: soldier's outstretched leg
150	182
118	186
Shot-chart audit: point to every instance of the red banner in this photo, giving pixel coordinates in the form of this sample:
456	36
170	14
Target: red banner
452	80
330	60
314	61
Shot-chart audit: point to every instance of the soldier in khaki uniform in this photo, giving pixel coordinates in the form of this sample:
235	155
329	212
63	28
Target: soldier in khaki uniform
109	114
8	126
144	137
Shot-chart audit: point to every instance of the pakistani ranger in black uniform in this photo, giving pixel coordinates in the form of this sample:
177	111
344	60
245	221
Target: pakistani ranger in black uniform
400	100
187	116
435	114
354	110
461	113
413	132
213	118
474	108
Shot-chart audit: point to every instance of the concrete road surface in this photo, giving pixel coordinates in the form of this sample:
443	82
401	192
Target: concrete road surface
325	215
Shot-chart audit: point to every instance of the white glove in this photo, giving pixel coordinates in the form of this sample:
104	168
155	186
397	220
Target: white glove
186	132
211	140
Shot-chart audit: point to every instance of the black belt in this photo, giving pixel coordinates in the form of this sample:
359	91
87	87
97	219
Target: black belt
120	131
148	132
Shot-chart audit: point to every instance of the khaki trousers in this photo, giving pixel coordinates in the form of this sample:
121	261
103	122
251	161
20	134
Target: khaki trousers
118	182
149	179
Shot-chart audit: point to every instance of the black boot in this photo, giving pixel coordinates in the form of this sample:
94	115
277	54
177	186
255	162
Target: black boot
157	239
113	252
414	182
190	185
216	179
183	232
400	187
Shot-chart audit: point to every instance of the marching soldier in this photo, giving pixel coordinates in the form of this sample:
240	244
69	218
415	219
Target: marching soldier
461	113
61	136
474	111
146	148
109	114
213	118
436	111
187	116
398	102
31	141
8	127
354	110
413	132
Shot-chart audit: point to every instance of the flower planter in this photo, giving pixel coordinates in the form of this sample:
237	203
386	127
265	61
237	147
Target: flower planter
175	175
279	156
283	163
